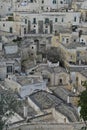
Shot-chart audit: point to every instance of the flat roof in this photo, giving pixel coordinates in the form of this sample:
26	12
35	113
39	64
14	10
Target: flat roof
25	80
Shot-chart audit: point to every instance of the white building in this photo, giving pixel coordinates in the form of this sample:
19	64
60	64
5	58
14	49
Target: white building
26	85
46	22
5	7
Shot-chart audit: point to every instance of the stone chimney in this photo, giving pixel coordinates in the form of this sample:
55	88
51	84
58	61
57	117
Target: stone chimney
25	111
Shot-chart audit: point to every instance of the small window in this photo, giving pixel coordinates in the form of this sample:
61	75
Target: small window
34	31
46	20
42	8
61	2
62	20
42	1
10	30
31	54
60	81
46	31
55	32
24	30
9	9
67	40
3	25
55	19
74	19
25	21
9	69
74	40
31	1
63	39
34	20
32	47
54	1
78	54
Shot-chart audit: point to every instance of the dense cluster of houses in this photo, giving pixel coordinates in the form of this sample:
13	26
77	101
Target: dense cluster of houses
28	28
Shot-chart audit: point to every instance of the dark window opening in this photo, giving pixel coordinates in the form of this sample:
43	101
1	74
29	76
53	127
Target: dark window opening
42	1
55	19
11	30
61	2
60	81
3	25
74	19
54	1
46	20
9	69
34	20
24	30
25	21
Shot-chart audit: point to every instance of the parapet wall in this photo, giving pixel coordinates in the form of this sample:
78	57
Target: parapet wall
47	126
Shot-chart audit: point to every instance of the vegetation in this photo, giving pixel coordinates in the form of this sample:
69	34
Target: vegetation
54	55
83	103
17	39
8	102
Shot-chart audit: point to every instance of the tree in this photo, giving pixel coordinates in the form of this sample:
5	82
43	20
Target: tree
8	102
83	103
54	55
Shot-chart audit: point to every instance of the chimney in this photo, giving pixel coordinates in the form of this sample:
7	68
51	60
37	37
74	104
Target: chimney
68	99
25	111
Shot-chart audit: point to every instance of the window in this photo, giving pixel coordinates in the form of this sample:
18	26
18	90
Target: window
25	21
55	32
10	30
34	31
74	40
62	20
31	1
56	19
42	1
61	2
34	20
46	20
60	81
46	31
54	1
74	19
78	54
9	69
3	25
9	9
31	54
24	30
67	40
42	8
62	39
